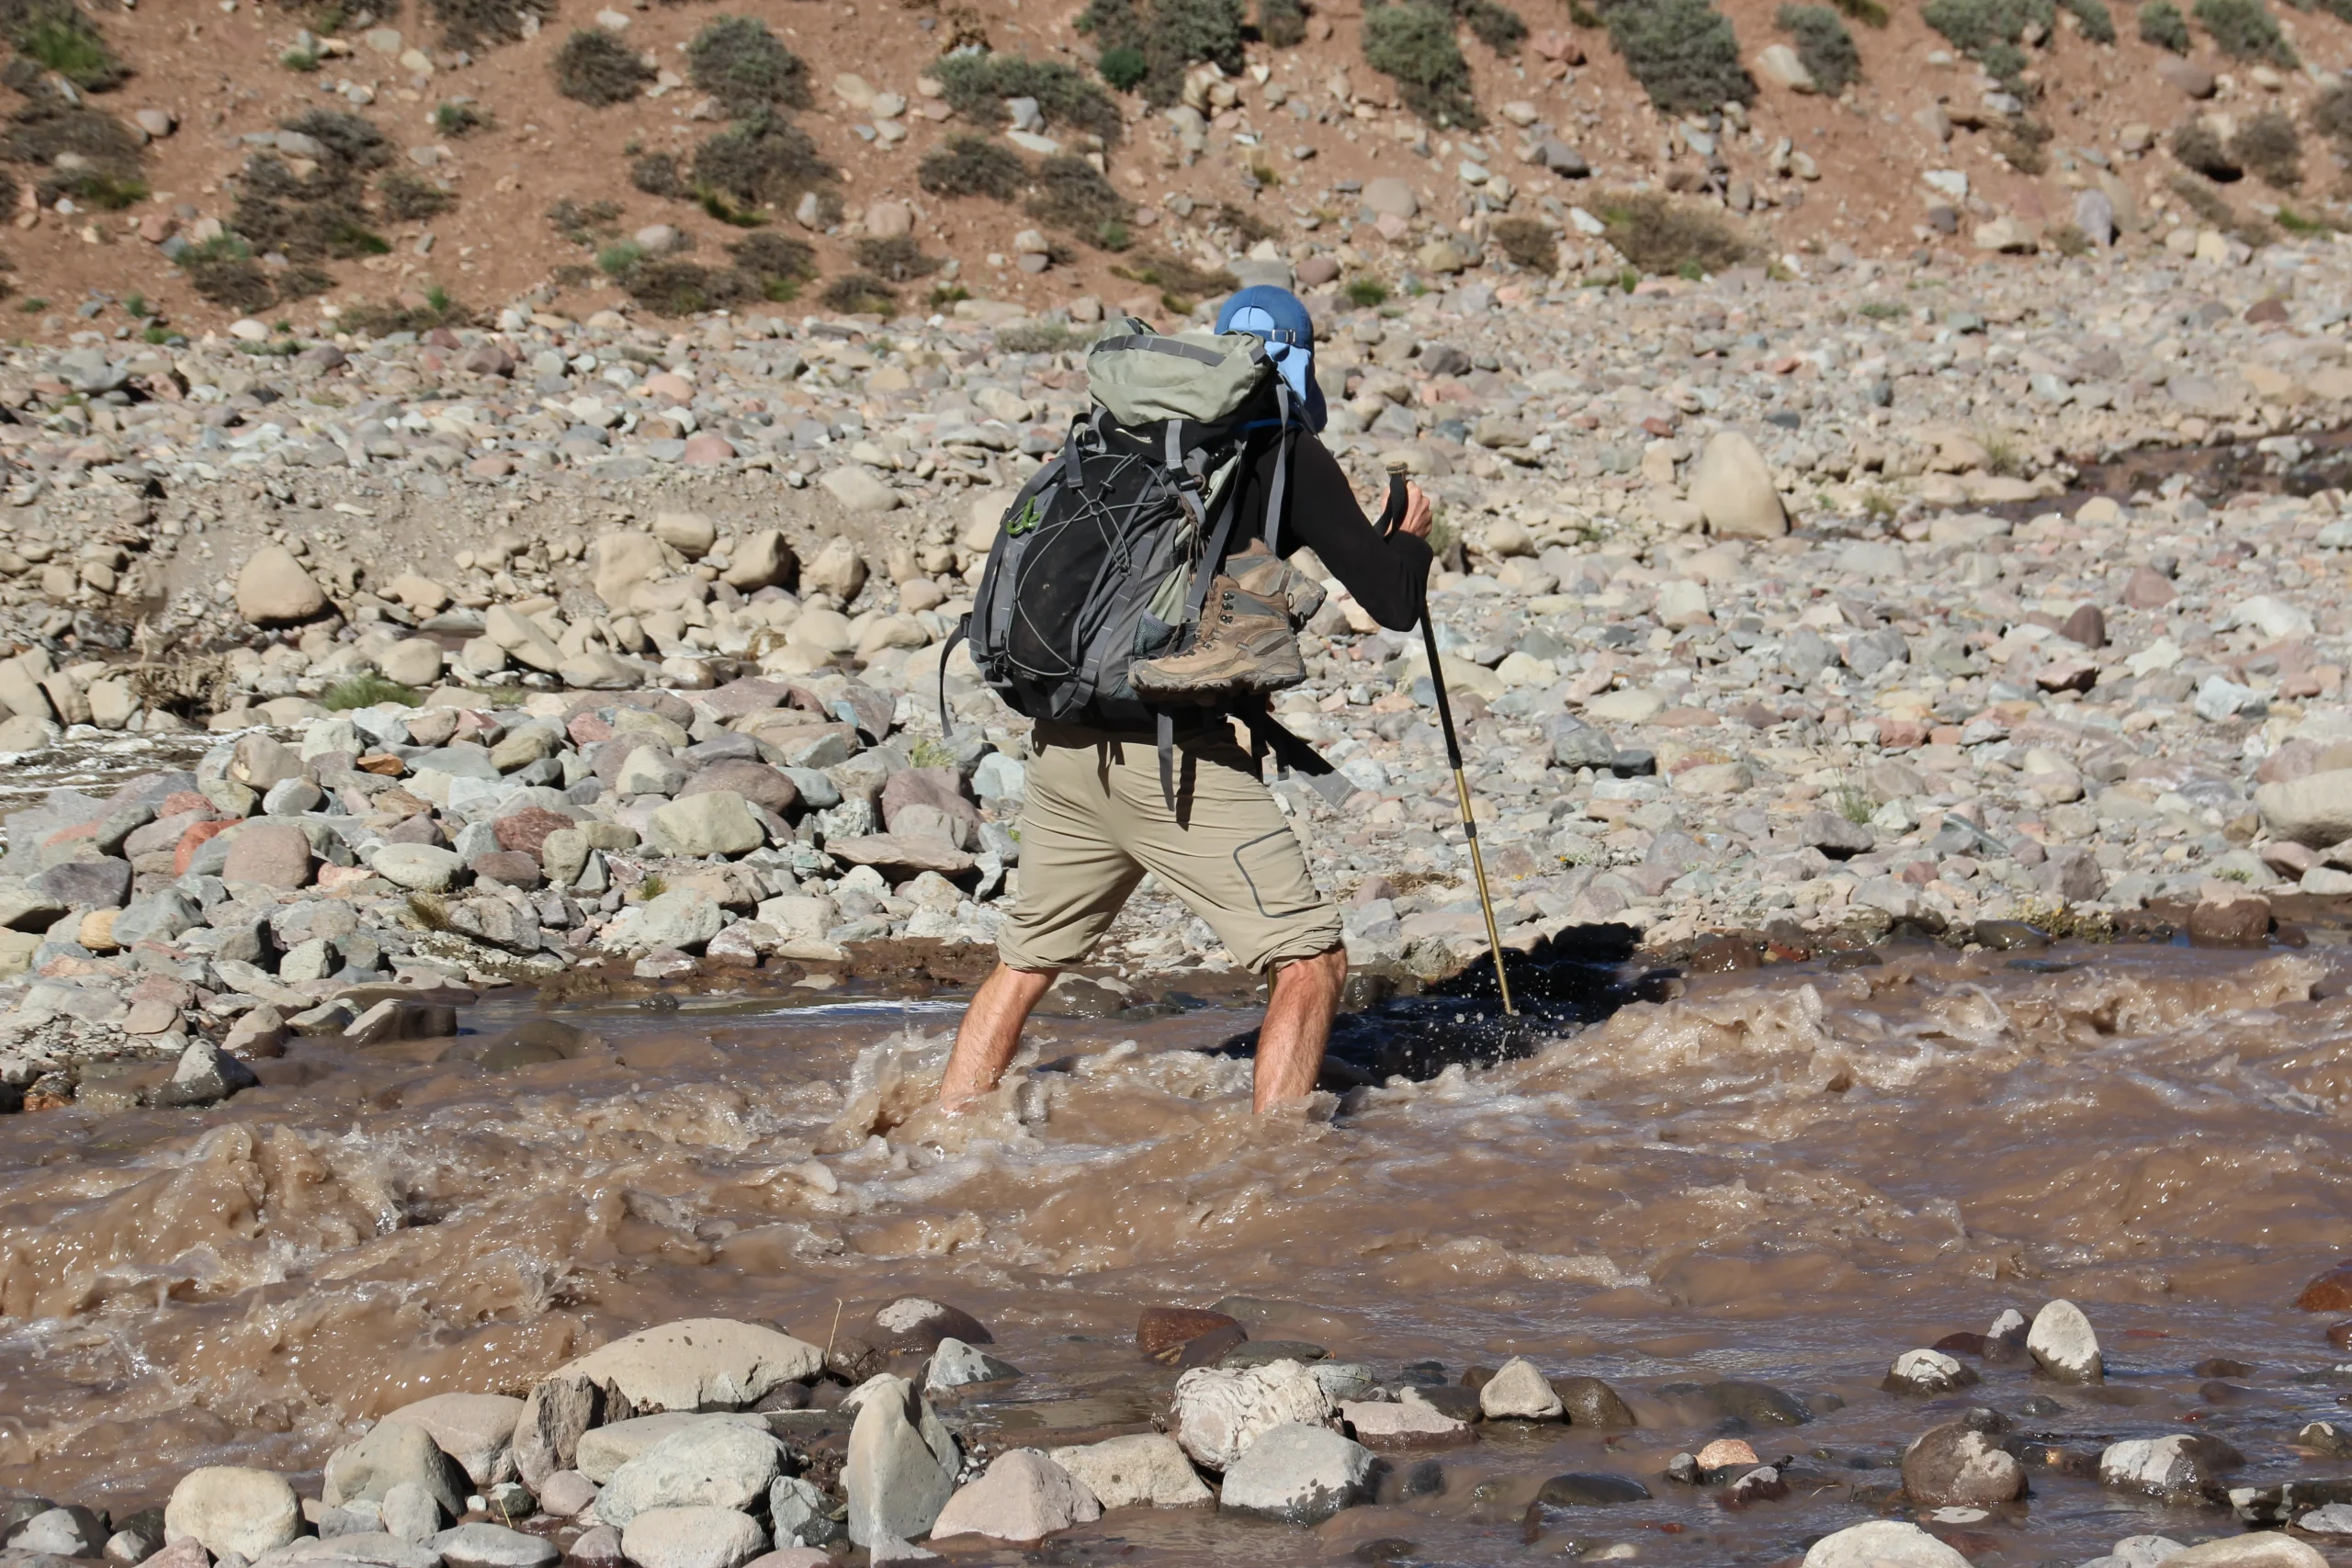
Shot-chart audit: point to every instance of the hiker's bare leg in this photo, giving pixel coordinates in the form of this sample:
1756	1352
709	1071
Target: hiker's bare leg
1298	1023
990	1032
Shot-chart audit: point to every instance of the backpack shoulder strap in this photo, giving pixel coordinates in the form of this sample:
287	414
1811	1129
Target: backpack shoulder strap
963	625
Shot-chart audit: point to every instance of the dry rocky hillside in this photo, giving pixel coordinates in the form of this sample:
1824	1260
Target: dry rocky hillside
337	166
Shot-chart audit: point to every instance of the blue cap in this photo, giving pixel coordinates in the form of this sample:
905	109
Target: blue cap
1280	316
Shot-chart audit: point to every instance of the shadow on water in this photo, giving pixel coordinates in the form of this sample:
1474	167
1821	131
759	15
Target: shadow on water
1398	1027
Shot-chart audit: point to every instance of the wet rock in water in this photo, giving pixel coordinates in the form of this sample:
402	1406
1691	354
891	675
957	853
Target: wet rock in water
597	1548
493	1546
2172	1466
2333	1519
800	1514
1344	1380
2238	919
389	1455
693	1538
1298	1473
915	1325
1163	1332
409	1512
603	1451
549	1428
135	1538
2326	1438
1588	1401
2062	1344
1596	1490
1024	1496
1217	1414
902	1464
61	1532
713	1464
567	1494
1266	1352
853	1360
2331	1291
955	1364
1147	1471
1410	1424
1956	1466
1461	1403
1764	1484
2264	1550
1724	1453
703	1363
475	1429
1758	1404
1926	1372
1519	1392
2008	936
206	1076
2139	1551
1882	1543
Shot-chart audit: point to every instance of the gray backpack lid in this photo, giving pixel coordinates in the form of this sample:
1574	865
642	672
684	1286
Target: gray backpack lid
1142	376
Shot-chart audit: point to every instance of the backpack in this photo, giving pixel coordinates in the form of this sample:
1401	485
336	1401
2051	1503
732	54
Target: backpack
1106	554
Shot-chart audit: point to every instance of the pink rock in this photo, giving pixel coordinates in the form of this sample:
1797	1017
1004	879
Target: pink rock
567	1494
1024	1496
189	1554
706	448
1404	1425
331	878
275	854
793	1557
490	467
1724	1451
670	385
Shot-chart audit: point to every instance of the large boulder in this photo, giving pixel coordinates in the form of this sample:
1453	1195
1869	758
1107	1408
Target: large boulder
1732	487
699	1363
1220	1414
393	1453
1147	1471
2315	809
718	1463
2179	1465
715	822
475	1429
1882	1543
902	1464
837	569
1956	1466
1024	1496
761	560
274	591
1519	1393
624	561
225	1509
1300	1474
693	1538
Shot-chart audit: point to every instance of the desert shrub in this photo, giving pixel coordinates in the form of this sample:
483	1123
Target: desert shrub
1282	23
2269	145
1824	46
1528	244
2099	23
1413	43
304	217
586	225
895	260
353	143
1498	27
1072	195
409	197
2024	142
2244	30
459	118
776	264
1870	12
2204	201
477	24
224	272
657	174
1683	52
1365	291
45	127
673	287
1988	31
762	158
597	69
436	309
1661	236
2162	24
859	295
297	283
744	66
1124	67
1180	284
2197	146
60	36
2331	115
971	166
976	85
1169	35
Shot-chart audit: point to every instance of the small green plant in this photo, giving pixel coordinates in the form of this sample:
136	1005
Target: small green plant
2162	24
652	885
1850	801
459	118
620	258
777	265
1123	68
1168	36
2295	222
1528	244
2003	457
969	166
134	305
948	295
1988	31
1072	193
1824	46
764	159
856	294
717	205
1413	43
2244	30
1881	311
161	335
2098	22
1881	504
583	226
101	189
744	66
1870	12
1683	52
929	754
32	305
1282	23
408	198
895	260
60	36
2068	240
2024	142
596	69
2269	145
439	302
1040	337
366	691
304	60
2197	146
1659	235
976	86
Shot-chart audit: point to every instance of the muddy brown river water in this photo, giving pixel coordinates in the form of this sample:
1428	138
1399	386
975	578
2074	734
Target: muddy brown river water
1787	1176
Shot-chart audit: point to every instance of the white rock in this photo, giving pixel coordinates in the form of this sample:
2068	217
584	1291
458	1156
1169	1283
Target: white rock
1297	1473
1220	1413
692	1537
1732	487
902	1463
699	1363
1519	1392
226	1509
710	1464
1147	1471
2064	1345
1024	1496
1882	1543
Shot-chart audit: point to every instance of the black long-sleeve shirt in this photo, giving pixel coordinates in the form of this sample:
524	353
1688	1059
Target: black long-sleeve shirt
1386	572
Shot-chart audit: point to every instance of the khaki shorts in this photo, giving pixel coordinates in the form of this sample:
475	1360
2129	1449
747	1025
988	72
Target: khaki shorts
1095	821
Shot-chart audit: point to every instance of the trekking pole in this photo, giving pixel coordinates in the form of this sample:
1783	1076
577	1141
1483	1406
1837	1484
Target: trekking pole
1392	514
